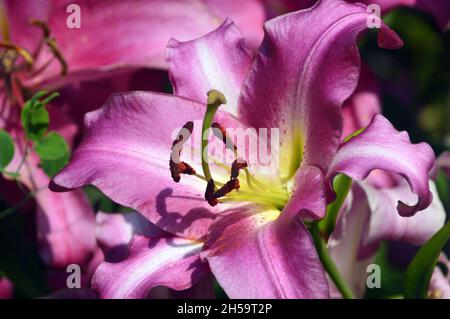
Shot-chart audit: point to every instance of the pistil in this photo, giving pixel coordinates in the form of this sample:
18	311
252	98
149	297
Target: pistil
215	99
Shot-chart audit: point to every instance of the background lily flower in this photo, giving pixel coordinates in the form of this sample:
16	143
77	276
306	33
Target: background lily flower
95	64
254	245
367	220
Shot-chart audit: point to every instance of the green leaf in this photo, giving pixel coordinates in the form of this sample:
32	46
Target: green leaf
418	274
6	149
52	167
51	147
35	119
53	152
443	187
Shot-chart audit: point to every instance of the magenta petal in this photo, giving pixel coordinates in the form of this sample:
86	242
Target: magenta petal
303	75
171	262
218	60
308	198
252	257
137	31
249	15
381	146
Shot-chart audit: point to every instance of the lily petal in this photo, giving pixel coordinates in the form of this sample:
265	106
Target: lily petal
316	70
345	243
253	256
171	262
126	41
367	219
218	60
308	198
114	231
257	253
381	146
132	135
248	15
384	225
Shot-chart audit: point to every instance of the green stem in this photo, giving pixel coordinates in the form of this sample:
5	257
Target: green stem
342	186
215	99
328	263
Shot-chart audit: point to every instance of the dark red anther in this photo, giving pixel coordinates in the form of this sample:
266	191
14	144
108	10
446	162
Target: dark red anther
180	168
237	165
181	138
229	186
223	135
209	193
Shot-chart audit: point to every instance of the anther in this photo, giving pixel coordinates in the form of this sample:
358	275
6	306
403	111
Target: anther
220	132
237	165
184	133
178	167
209	193
231	185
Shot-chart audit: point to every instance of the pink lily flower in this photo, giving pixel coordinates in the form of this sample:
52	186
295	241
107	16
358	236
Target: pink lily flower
253	240
367	219
95	64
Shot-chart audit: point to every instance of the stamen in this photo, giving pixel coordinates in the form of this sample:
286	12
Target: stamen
220	132
21	51
231	185
176	166
51	43
43	26
209	193
237	165
58	55
176	169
